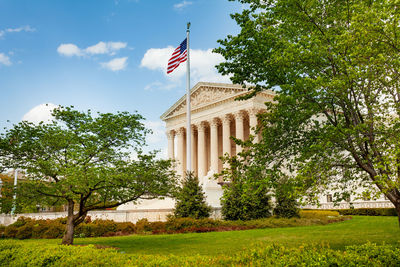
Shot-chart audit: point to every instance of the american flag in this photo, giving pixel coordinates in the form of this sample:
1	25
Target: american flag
178	56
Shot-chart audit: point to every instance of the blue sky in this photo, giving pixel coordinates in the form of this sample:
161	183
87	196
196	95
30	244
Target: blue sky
105	55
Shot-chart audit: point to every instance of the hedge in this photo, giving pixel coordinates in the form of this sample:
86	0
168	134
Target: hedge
17	253
366	211
25	228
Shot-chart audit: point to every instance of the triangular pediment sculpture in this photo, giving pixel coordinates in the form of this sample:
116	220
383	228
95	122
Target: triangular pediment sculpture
204	94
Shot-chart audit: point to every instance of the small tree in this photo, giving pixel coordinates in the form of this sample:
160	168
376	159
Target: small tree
190	199
246	194
286	205
83	162
7	193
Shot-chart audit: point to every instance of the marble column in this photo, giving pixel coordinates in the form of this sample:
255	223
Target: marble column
201	150
226	133
239	134
193	156
253	123
181	151
171	144
214	144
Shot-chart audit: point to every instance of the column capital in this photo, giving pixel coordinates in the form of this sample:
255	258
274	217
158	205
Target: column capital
227	118
193	128
201	127
239	115
181	131
253	111
170	134
214	122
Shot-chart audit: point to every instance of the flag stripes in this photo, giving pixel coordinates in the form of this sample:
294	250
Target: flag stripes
178	56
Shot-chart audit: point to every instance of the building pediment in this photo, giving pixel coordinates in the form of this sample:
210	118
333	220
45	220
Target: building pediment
204	94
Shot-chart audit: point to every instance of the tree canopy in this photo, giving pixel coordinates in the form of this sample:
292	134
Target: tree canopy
335	65
84	162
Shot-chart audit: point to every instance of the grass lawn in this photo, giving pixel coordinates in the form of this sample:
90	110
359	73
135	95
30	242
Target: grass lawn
359	230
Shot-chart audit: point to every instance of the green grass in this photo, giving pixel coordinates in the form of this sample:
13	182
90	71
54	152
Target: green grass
359	230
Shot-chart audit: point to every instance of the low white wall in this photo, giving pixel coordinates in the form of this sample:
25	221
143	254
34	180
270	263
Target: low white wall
116	215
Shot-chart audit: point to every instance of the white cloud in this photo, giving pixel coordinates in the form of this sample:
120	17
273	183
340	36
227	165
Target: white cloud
40	113
115	64
157	85
25	28
182	4
105	48
157	139
69	50
5	60
100	48
158	129
202	64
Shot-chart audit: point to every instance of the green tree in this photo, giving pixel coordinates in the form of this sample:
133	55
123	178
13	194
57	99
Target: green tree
336	120
83	162
7	193
190	199
246	193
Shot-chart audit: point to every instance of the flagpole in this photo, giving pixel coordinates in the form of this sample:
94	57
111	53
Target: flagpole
188	127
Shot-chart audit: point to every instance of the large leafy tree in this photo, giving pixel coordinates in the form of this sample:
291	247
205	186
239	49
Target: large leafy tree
336	66
83	161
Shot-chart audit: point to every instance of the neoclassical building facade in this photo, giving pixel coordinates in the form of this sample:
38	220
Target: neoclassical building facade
216	116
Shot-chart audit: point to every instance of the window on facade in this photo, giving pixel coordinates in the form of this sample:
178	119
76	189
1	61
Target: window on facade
329	198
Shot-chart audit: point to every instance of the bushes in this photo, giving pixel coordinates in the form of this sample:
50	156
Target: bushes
318	213
369	211
364	211
286	205
28	228
13	253
245	201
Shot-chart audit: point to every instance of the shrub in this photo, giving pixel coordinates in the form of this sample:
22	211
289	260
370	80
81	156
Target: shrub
318	213
286	205
142	225
190	199
24	232
245	201
126	227
10	231
364	211
54	231
21	221
369	211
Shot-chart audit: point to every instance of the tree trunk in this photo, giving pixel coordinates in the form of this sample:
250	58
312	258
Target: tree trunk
398	211
68	238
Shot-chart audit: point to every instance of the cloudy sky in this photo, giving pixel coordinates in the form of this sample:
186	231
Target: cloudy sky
105	55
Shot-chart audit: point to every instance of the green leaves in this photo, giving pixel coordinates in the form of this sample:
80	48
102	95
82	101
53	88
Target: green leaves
86	159
335	65
190	199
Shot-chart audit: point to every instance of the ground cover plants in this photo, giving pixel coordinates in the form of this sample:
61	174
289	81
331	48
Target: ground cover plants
373	241
25	254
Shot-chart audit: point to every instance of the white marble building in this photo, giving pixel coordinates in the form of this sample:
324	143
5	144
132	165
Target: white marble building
215	117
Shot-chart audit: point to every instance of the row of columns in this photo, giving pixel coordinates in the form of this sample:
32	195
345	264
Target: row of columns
201	152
